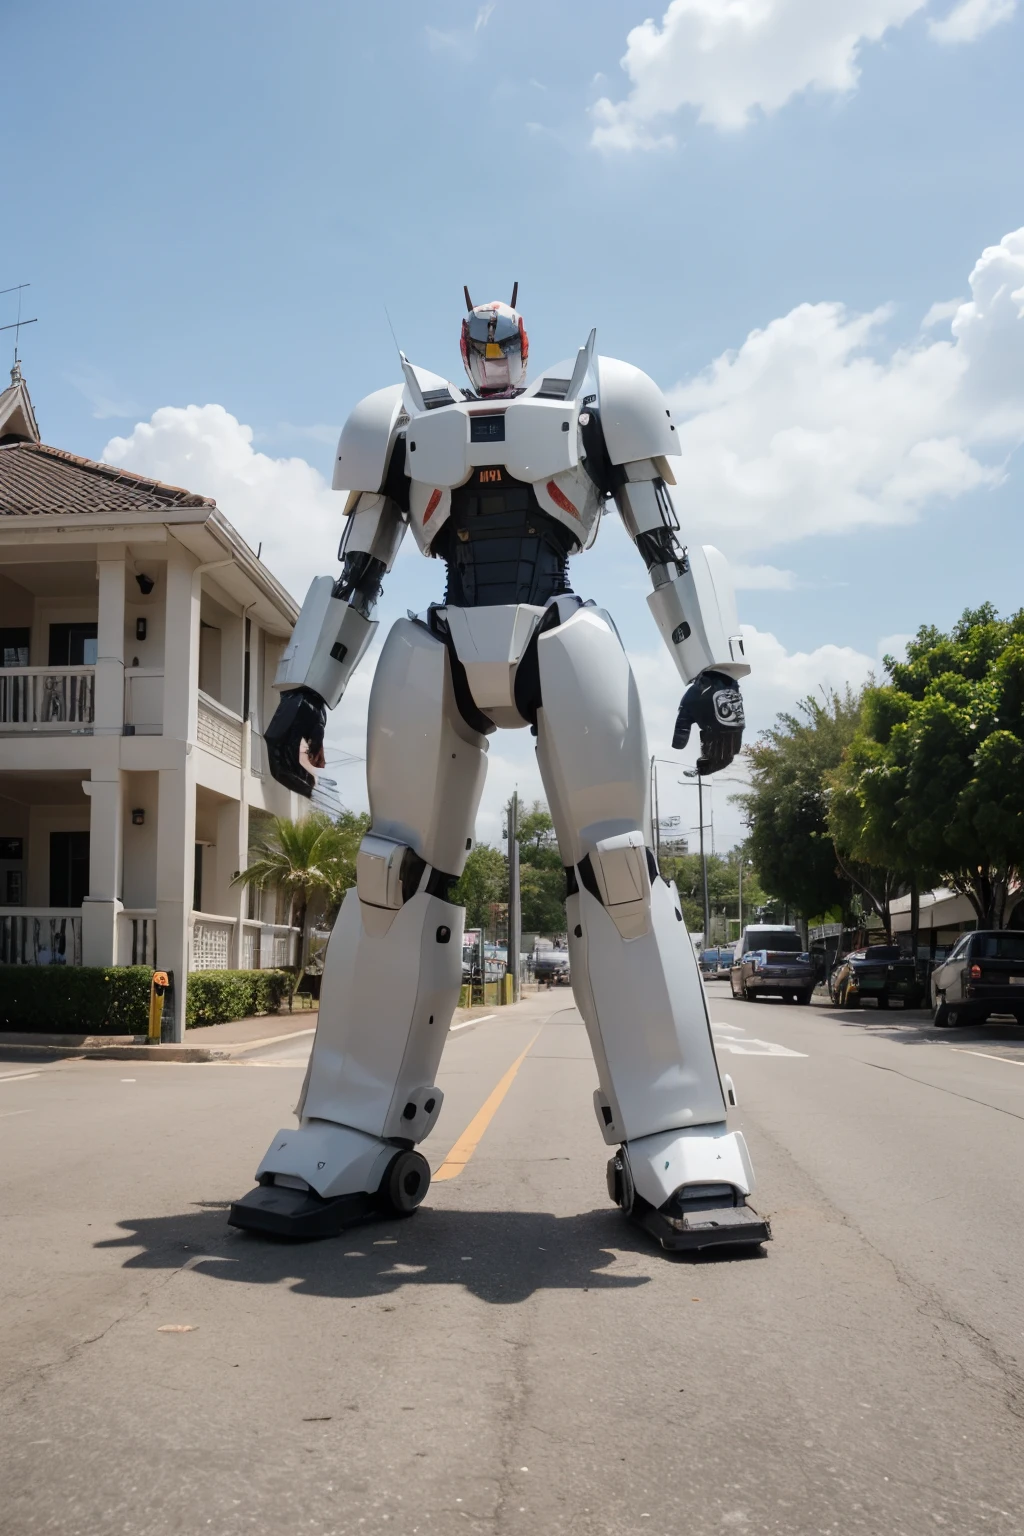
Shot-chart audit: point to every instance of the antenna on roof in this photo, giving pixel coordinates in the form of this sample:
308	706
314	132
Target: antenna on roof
515	295
16	327
469	301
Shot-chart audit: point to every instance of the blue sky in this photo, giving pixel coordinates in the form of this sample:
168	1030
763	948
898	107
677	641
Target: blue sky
214	202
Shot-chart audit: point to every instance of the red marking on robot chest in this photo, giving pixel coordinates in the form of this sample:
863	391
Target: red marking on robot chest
432	505
561	500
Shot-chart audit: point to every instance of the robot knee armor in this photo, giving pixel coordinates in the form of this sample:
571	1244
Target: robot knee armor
618	871
387	873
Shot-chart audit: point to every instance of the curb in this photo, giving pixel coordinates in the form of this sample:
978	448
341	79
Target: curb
173	1053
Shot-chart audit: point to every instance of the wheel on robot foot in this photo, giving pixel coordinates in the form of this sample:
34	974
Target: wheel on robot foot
300	1214
686	1224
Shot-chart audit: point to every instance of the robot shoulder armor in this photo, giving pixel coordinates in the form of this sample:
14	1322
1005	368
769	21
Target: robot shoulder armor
367	439
635	417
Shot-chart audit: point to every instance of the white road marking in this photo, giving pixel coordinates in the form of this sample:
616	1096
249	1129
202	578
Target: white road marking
962	1050
14	1077
9	1114
465	1025
757	1048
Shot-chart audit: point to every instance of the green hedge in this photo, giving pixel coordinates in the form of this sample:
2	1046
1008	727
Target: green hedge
75	999
216	996
114	1000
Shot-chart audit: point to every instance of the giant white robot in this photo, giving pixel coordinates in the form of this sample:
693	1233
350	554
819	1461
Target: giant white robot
504	482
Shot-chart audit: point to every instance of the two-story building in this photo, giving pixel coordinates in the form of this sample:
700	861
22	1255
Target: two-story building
139	635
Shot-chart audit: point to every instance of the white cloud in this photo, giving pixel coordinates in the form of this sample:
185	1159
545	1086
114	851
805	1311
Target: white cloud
970	19
945	309
762	578
729	58
812	426
285	504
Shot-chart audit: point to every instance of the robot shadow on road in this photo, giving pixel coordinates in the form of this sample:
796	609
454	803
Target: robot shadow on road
500	1256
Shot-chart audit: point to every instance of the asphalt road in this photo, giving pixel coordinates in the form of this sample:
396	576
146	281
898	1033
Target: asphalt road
517	1358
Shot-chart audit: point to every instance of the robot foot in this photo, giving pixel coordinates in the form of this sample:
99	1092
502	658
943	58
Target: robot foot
696	1225
707	1207
322	1178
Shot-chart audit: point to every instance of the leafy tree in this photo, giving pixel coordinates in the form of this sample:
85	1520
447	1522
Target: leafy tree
542	897
482	885
541	875
934	779
723	887
313	861
787	804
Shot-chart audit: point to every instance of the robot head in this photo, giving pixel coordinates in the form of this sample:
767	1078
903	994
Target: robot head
494	346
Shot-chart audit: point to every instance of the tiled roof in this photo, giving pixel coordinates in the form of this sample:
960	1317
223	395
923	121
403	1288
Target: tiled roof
36	480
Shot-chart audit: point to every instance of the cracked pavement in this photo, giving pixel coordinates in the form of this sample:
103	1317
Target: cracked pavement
516	1357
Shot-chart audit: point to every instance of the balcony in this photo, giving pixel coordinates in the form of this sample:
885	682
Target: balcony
220	730
40	936
53	699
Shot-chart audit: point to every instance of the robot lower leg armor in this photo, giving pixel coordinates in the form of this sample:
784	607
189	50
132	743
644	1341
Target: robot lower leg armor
394	964
635	978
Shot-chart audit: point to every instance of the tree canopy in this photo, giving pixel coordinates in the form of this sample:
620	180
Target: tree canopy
934	777
787	804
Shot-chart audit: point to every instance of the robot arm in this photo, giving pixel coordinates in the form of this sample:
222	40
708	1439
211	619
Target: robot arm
693	601
330	638
694	607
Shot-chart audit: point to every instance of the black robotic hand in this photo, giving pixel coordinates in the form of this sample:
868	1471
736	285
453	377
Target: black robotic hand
300	717
713	703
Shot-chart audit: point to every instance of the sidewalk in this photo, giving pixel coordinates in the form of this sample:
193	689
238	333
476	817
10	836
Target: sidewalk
211	1042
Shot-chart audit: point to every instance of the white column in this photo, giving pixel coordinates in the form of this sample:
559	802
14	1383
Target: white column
181	646
103	903
232	855
109	718
175	853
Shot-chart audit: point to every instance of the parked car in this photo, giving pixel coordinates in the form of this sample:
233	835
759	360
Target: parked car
770	961
710	961
881	971
551	967
725	958
982	974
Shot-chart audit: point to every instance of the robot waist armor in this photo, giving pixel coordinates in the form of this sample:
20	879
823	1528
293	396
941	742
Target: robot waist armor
500	548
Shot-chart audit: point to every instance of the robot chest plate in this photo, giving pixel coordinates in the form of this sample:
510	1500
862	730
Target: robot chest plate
530	439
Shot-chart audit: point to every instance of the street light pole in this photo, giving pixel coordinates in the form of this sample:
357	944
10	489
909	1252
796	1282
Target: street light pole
691	773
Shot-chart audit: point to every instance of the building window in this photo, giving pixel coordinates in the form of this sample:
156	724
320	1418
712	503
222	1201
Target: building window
197	880
14	645
69	868
72	645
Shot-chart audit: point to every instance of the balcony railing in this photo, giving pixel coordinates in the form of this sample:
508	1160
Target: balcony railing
40	936
47	698
220	730
136	936
266	946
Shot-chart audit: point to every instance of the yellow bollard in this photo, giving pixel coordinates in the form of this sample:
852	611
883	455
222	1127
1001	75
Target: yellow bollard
157	988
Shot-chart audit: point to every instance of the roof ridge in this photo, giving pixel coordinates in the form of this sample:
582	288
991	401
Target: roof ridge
112	472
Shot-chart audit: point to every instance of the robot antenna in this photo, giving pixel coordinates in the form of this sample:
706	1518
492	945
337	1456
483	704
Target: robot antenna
515	295
469	301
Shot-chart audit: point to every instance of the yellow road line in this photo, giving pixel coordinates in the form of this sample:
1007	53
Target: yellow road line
472	1136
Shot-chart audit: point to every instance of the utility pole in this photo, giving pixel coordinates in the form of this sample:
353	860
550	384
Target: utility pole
514	905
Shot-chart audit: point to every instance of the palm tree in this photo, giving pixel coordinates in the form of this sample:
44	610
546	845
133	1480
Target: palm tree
314	861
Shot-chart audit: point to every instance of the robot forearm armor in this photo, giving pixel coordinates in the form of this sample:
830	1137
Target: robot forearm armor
328	642
696	614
